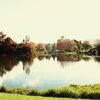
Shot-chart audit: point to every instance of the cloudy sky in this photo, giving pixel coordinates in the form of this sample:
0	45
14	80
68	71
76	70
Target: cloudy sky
48	20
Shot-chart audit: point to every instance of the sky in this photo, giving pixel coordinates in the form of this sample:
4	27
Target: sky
47	20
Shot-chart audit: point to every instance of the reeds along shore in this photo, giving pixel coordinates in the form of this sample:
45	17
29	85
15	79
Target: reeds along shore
63	45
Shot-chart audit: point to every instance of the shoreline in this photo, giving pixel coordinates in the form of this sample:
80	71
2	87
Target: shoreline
71	91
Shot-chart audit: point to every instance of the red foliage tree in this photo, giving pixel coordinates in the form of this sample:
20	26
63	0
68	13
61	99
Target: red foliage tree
40	47
66	45
61	45
30	46
9	42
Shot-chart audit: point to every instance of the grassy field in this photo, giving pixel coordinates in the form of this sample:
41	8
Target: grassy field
72	91
6	96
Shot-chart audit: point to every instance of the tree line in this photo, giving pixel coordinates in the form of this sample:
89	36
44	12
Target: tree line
63	45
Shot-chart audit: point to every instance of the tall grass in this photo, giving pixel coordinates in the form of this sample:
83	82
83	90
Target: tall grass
72	91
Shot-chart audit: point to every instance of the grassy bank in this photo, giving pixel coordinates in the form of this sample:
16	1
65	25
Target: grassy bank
6	96
72	91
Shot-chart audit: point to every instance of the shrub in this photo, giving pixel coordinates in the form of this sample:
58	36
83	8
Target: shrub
3	89
34	92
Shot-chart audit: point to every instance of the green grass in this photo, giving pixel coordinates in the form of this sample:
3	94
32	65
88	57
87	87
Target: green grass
72	91
6	96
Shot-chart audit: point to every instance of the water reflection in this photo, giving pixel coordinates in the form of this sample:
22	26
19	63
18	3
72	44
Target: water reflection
41	57
68	58
97	59
48	71
86	58
8	62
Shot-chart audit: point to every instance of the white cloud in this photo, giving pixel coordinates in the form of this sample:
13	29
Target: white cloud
31	82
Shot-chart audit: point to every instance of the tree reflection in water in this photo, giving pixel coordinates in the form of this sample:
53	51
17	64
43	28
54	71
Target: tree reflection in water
8	62
97	59
41	58
86	58
67	59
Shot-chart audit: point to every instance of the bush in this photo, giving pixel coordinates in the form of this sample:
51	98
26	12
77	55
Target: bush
49	92
3	89
72	91
33	92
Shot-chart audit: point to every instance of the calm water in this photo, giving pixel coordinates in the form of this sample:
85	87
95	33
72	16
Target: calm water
48	72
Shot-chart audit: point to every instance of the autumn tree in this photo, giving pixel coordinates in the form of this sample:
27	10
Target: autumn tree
9	42
73	46
40	47
61	45
9	45
67	45
28	47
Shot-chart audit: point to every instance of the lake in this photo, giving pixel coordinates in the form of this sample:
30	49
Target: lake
45	72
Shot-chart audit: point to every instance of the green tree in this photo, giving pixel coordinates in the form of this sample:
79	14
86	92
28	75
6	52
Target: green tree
79	45
48	47
54	47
